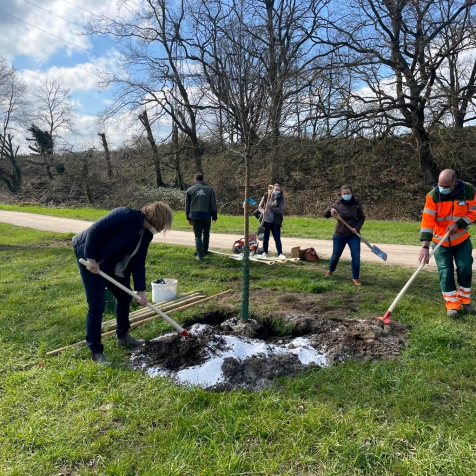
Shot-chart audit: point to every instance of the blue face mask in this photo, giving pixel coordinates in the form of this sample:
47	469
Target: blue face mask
277	193
347	197
444	191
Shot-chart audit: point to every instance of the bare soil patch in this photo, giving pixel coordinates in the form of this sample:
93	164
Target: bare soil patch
302	332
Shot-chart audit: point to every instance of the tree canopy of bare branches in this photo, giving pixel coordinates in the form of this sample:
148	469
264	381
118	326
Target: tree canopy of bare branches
13	116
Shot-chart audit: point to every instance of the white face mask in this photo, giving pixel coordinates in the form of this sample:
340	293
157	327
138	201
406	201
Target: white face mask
153	230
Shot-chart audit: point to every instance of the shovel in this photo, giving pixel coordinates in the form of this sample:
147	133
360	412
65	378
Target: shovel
386	318
134	295
261	229
375	250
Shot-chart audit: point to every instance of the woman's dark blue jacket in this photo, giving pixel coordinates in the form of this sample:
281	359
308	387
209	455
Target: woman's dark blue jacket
113	237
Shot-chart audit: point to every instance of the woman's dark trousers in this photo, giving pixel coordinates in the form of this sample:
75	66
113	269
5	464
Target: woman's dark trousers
339	243
95	288
276	231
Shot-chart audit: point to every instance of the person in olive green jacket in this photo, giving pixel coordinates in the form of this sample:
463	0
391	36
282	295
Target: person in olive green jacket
201	209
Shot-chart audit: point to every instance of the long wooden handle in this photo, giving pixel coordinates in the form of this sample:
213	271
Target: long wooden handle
134	295
339	218
357	234
135	324
415	274
347	225
270	189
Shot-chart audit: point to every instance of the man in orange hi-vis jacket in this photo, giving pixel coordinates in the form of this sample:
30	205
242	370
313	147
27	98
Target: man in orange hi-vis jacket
451	205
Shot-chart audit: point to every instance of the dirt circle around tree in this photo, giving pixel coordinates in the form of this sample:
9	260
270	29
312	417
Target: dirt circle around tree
225	353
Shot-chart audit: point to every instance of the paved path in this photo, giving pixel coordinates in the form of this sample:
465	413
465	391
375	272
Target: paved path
401	255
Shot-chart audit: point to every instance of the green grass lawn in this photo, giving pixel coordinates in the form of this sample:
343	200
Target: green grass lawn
69	416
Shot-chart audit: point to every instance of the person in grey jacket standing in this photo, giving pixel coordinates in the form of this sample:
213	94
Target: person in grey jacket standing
201	209
272	207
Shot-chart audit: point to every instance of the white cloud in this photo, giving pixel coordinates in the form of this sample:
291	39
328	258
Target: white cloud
19	38
86	127
81	77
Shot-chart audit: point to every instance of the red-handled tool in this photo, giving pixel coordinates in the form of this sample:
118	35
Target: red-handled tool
386	318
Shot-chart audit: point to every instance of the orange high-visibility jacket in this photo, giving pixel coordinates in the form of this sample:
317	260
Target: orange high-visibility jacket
443	210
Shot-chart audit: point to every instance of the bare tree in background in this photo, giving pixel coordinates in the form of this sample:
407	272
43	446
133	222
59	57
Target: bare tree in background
280	33
456	82
107	154
52	118
13	116
395	48
144	119
152	70
54	110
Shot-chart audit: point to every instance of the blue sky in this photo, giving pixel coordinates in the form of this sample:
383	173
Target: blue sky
65	52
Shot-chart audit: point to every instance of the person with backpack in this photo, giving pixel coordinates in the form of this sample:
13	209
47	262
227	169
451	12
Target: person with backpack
350	210
201	209
272	208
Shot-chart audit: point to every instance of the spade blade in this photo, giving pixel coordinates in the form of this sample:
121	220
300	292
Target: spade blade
381	254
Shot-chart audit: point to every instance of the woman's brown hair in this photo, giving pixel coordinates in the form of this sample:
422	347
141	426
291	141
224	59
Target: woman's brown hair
159	215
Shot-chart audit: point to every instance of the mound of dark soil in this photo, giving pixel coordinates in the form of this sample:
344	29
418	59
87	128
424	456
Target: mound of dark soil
235	354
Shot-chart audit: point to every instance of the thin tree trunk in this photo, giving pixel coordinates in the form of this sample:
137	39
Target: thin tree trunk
144	118
106	153
178	173
197	155
245	282
48	168
85	179
427	162
12	180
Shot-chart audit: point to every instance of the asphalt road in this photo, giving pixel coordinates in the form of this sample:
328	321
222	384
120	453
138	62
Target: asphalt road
398	255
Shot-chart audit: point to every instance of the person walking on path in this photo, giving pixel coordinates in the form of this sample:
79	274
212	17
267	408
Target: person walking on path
450	206
350	210
201	209
272	207
117	244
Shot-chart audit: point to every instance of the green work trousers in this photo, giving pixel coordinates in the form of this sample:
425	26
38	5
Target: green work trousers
445	258
201	228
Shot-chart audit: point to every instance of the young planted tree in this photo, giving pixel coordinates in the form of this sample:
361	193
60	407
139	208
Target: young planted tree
281	34
229	59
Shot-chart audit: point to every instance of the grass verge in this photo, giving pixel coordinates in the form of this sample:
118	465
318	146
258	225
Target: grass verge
68	416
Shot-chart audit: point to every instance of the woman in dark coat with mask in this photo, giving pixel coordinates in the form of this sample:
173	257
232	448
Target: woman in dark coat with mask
350	210
273	219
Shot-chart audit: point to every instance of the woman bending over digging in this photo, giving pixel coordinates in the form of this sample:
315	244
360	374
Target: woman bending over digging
350	210
117	244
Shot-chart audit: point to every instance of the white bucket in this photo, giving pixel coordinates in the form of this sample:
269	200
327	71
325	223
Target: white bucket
164	292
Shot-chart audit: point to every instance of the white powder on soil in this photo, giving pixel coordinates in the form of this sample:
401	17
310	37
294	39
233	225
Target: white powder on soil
240	348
